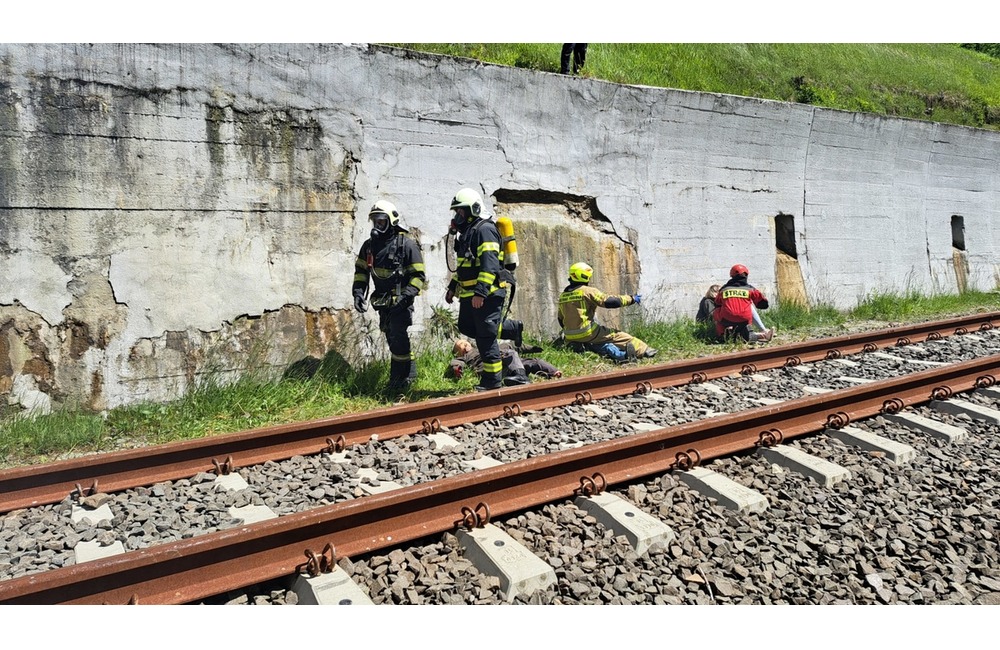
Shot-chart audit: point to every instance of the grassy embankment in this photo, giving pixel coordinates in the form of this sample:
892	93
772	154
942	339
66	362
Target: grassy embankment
259	399
937	82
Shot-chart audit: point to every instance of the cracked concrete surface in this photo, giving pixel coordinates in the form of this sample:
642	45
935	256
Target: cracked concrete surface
171	211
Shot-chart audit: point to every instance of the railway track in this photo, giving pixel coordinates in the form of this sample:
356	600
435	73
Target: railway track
110	472
362	526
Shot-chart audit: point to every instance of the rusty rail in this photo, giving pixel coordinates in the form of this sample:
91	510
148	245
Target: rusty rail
114	471
188	570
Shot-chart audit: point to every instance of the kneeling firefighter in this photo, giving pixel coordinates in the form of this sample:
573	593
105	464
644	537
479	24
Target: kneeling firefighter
577	304
392	259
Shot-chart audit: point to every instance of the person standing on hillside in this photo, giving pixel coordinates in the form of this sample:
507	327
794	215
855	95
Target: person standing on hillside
392	260
578	51
478	282
577	305
735	304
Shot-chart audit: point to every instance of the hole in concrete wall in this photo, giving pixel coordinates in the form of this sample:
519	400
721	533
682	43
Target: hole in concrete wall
579	207
784	235
553	230
787	273
959	258
958	232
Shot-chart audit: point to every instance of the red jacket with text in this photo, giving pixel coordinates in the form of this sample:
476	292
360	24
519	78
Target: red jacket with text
733	304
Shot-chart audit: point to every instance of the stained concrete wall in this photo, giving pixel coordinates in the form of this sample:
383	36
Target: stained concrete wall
170	211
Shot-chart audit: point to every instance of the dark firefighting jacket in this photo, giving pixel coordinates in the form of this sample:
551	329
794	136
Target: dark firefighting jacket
395	266
479	261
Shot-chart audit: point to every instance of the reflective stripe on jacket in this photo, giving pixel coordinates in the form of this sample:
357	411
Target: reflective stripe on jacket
733	302
479	257
577	304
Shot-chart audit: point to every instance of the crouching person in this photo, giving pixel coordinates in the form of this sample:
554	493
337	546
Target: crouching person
736	304
577	305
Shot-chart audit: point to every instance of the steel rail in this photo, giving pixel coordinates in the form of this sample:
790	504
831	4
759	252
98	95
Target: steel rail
214	563
115	471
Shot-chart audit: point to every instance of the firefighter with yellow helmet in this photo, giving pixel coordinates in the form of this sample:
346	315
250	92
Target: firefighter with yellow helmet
577	304
392	261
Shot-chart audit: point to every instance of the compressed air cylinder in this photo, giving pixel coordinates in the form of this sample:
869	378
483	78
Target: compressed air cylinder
506	228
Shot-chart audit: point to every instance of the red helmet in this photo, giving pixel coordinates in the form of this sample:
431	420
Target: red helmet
738	269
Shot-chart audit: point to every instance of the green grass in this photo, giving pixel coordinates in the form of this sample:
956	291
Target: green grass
333	386
940	82
889	307
38	438
794	317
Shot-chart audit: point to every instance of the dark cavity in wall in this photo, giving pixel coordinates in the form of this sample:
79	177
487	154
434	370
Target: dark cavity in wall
784	235
554	230
580	207
959	257
787	272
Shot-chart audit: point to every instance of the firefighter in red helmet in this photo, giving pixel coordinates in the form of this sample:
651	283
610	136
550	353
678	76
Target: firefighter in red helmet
734	308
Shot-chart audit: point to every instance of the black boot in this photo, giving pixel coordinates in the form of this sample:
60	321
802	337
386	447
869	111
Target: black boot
489	381
399	374
513	331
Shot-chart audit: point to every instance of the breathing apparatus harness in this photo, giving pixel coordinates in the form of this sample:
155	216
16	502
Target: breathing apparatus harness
508	244
391	297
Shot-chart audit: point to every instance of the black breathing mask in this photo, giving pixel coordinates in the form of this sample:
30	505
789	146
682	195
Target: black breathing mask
380	225
458	221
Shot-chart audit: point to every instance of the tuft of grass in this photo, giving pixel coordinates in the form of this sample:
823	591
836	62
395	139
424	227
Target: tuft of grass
792	317
885	306
443	323
677	339
55	435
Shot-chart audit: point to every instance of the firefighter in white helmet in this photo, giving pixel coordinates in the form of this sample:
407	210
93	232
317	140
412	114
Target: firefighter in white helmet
391	259
478	282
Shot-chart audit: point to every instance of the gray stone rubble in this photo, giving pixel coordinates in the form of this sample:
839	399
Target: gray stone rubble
920	533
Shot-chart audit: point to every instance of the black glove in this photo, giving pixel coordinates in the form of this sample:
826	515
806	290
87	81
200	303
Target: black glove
359	304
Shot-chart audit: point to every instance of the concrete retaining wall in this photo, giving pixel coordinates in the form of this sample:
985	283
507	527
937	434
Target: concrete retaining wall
168	211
